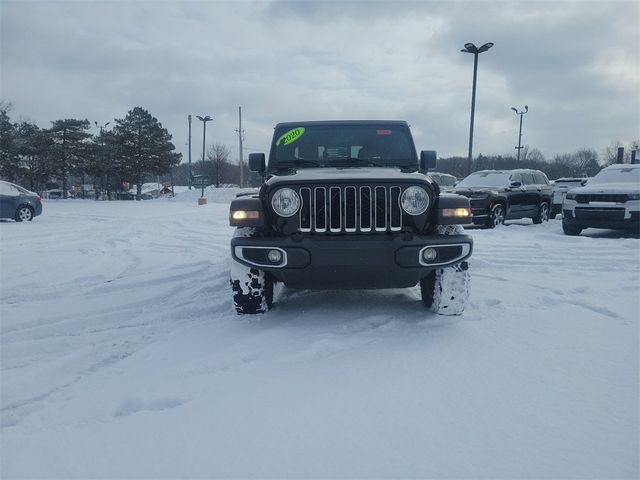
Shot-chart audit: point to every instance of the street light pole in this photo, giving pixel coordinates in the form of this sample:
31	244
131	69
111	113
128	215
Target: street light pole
521	113
101	127
190	176
204	121
471	48
240	132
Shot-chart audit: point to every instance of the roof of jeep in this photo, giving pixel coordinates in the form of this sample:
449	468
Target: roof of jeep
342	122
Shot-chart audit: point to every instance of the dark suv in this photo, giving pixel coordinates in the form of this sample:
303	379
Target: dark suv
345	204
499	195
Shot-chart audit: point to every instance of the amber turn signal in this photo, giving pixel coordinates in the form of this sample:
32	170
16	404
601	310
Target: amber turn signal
455	212
245	214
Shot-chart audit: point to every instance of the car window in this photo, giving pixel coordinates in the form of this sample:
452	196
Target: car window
516	178
527	179
447	181
540	178
485	179
8	189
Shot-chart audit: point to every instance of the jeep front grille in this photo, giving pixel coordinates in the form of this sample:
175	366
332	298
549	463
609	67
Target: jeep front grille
350	209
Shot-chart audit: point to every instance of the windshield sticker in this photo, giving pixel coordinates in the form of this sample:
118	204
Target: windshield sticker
290	136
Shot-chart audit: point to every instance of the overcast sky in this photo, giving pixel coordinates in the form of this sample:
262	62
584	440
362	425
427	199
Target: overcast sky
576	64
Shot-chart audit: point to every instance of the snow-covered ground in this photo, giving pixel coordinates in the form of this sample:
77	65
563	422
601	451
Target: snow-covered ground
121	358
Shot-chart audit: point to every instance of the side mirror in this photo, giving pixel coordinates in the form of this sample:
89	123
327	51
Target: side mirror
515	184
257	162
428	159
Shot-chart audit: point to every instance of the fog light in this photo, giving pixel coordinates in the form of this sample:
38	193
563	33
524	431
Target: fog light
274	256
429	254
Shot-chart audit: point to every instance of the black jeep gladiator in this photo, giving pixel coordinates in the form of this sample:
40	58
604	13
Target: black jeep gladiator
347	204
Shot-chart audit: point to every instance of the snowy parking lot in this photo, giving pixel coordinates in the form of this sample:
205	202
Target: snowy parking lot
121	358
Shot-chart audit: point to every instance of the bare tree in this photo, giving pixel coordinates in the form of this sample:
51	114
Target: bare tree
218	157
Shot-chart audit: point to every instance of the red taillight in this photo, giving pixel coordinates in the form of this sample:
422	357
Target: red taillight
39	198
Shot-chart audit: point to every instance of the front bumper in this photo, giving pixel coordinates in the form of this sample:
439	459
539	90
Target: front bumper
362	261
601	214
480	209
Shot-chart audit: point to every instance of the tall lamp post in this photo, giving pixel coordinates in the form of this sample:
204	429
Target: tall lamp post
204	121
190	175
526	109
101	127
471	48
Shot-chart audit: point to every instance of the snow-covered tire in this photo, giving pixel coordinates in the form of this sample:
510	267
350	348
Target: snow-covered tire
446	290
543	213
252	288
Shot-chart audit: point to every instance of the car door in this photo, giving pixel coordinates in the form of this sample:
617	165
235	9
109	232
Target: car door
9	196
532	195
544	189
515	197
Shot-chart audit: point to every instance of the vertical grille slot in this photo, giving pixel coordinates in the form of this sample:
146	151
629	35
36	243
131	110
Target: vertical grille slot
305	210
350	209
335	209
320	210
366	212
380	211
395	214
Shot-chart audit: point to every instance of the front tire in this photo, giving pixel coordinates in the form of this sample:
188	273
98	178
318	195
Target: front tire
24	213
543	214
446	290
252	288
496	217
571	230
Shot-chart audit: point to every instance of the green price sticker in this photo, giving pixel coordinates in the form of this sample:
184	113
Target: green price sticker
290	136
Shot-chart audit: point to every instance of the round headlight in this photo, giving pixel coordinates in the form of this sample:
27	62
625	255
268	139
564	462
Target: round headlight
415	200
285	202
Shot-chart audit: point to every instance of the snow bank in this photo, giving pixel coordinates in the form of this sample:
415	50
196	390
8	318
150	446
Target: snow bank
214	195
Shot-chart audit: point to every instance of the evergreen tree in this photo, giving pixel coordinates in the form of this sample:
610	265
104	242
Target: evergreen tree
69	137
35	149
144	147
9	161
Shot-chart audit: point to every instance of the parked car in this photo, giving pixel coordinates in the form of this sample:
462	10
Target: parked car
499	195
52	194
611	199
445	181
18	203
560	188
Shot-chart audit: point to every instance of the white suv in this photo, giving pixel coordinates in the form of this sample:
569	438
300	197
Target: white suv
610	200
560	188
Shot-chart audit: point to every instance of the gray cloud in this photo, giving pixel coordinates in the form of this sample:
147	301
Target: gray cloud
574	64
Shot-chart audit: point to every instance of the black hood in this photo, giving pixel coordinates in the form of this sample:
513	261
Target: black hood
347	175
466	191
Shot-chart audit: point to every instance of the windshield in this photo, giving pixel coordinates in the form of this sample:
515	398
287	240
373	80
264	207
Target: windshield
333	145
485	179
617	175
